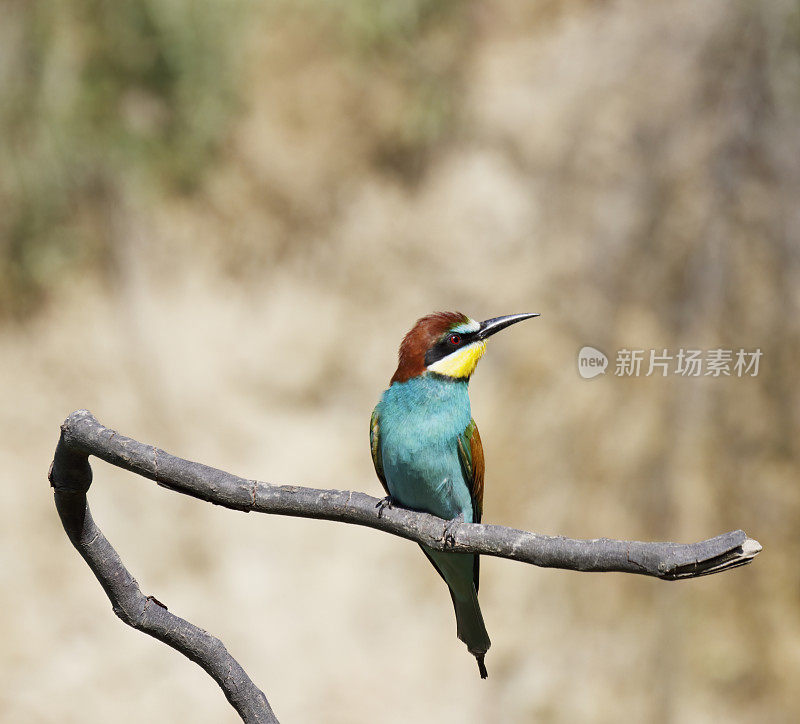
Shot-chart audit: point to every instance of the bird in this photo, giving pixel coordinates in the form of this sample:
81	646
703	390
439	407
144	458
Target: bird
427	450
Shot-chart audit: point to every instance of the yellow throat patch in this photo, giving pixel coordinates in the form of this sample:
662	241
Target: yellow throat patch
460	363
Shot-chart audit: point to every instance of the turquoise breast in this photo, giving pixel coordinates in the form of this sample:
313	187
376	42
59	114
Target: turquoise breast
420	423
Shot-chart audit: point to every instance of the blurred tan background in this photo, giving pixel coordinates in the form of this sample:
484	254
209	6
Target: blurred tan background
218	219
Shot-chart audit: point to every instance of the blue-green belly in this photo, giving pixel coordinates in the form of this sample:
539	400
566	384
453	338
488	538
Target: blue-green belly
421	421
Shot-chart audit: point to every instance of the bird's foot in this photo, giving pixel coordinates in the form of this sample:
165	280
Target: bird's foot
384	503
448	537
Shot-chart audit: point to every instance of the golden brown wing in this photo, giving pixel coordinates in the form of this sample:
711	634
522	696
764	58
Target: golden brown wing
470	450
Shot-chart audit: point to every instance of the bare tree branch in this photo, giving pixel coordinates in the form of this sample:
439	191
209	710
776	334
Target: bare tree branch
71	476
82	435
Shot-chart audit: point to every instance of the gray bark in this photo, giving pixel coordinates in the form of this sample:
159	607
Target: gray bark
70	475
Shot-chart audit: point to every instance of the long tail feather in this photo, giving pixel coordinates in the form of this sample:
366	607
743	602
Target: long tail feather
457	570
482	666
471	629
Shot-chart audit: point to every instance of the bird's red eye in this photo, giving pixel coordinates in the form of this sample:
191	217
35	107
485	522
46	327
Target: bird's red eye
455	339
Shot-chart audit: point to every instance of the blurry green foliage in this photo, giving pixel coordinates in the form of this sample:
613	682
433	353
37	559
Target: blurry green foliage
96	95
100	97
415	49
396	27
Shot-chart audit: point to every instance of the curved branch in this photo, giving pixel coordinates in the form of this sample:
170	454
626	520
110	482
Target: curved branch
670	561
82	435
71	476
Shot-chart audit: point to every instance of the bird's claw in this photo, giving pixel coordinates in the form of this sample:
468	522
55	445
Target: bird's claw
384	503
448	537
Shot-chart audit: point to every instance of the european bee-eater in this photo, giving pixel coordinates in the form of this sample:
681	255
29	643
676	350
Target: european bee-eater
427	450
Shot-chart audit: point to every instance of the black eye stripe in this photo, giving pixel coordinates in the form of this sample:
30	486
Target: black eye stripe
443	347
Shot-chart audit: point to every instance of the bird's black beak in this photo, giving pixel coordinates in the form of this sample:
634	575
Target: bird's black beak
490	326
